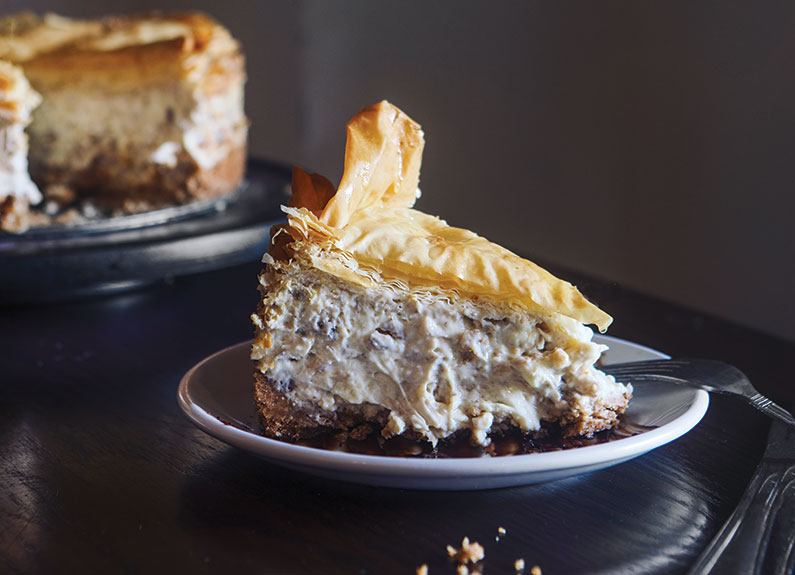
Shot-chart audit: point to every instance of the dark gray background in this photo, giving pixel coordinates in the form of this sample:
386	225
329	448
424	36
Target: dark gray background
651	143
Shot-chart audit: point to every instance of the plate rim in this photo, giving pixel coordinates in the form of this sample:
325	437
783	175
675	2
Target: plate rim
470	467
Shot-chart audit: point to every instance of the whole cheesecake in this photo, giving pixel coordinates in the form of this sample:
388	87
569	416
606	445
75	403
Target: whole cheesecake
131	113
378	318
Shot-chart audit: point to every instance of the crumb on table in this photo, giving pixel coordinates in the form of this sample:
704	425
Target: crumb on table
470	552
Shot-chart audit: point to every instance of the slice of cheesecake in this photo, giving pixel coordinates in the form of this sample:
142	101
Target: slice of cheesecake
137	112
377	317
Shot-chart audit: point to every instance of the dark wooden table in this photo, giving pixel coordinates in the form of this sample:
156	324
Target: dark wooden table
100	472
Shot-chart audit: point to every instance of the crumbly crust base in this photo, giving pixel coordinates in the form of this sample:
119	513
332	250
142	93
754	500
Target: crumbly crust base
604	416
281	419
166	186
14	214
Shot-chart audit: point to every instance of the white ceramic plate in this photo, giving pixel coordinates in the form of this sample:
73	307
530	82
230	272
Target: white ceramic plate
217	396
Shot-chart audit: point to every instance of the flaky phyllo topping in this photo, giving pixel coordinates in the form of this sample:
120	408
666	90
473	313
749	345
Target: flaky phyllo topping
366	231
25	36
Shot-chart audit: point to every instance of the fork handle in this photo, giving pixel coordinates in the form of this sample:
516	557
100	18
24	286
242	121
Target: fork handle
758	537
771	409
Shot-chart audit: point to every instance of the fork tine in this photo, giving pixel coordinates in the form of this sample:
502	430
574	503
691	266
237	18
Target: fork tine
646	367
657	366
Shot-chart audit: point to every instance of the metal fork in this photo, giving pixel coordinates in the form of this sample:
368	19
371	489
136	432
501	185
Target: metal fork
714	376
759	537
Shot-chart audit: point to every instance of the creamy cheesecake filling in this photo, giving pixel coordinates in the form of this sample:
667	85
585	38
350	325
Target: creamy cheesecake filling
215	126
438	367
82	121
14	178
17	101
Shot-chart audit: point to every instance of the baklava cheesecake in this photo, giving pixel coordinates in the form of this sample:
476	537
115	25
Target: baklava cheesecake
378	318
135	112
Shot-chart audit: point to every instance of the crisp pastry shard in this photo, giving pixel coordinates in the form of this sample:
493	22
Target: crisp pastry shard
377	316
136	112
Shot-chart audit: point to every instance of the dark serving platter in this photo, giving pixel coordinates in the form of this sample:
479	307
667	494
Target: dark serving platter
111	254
